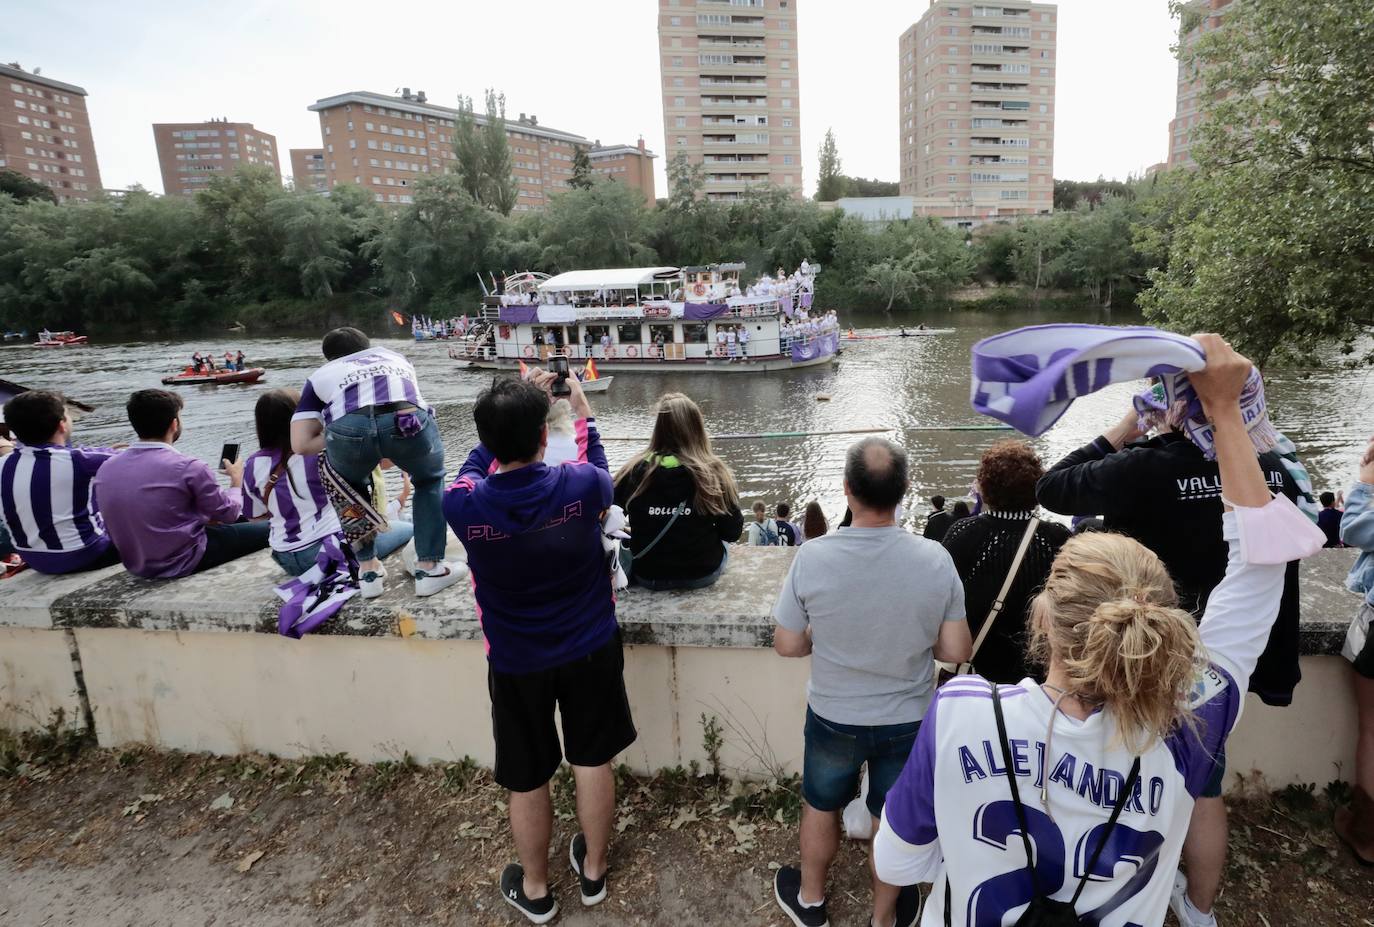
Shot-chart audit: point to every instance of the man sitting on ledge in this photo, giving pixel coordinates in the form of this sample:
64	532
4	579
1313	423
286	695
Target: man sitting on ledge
869	604
165	511
543	589
45	489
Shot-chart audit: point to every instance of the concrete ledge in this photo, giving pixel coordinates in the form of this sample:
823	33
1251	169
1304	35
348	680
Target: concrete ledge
733	613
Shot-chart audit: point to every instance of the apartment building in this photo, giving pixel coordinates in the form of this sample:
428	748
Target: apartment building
731	91
630	164
385	143
977	109
191	154
45	133
307	169
1198	18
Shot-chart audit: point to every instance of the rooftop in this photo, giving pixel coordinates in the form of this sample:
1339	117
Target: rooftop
13	70
413	105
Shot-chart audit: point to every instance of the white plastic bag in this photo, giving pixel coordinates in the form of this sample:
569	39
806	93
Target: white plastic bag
858	822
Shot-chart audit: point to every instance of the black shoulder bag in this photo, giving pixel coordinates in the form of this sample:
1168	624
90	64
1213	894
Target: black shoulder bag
1043	910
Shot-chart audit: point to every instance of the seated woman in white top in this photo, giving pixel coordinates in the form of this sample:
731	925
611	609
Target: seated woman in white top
1107	756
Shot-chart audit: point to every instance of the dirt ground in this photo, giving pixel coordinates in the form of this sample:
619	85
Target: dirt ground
92	837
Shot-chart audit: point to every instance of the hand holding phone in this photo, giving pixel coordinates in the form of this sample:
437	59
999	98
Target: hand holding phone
228	454
558	364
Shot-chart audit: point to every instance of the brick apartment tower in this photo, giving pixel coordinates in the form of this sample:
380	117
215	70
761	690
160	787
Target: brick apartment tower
1199	18
192	153
977	108
45	133
731	91
631	164
307	169
385	143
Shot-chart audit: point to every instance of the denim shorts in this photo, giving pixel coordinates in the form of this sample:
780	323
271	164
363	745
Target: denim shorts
835	755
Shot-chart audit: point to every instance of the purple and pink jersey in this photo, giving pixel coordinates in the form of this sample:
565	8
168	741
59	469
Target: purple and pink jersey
950	817
371	377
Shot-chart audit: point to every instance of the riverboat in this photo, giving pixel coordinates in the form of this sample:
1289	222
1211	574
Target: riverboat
650	318
193	377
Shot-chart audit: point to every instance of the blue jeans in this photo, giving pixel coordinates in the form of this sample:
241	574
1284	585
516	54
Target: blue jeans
663	585
356	443
296	562
835	754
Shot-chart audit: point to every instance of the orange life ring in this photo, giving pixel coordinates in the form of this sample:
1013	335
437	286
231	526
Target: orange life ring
529	350
720	350
632	351
699	289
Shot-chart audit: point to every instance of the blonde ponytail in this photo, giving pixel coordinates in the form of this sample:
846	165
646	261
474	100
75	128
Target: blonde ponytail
1109	617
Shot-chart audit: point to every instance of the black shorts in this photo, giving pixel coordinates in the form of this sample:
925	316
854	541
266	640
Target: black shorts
592	705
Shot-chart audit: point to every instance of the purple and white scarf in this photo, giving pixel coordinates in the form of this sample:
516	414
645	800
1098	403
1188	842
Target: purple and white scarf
1029	377
311	599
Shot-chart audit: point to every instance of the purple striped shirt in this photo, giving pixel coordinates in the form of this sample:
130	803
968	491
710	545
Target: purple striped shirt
371	377
298	504
47	504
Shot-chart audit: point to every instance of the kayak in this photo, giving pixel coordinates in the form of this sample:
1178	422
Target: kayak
61	340
190	377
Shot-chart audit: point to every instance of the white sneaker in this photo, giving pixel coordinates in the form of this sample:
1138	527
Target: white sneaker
428	582
372	583
1188	916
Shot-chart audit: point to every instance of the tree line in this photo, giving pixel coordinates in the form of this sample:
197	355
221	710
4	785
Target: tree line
1269	240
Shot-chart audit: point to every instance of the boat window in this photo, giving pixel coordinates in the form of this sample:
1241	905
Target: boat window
664	331
694	332
631	333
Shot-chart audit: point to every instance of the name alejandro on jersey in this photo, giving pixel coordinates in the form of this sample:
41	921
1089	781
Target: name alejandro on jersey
1101	786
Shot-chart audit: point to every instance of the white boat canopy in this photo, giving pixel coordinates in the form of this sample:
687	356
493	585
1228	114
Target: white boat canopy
616	278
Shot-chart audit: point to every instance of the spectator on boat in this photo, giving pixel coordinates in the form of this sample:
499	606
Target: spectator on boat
197	362
551	632
165	511
1354	822
362	406
229	360
1329	520
606	343
814	523
805	268
788	533
681	501
52	517
744	340
284	488
762	531
938	521
999	545
1124	696
1164	493
731	343
873	606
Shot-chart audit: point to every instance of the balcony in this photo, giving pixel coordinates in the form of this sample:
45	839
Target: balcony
727	42
735	102
711	60
734	82
1000	12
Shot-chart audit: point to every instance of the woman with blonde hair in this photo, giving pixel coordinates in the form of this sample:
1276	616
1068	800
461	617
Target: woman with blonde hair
681	501
1093	774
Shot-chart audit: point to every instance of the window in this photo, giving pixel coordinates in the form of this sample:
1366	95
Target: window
786	65
675	20
682	122
679	101
953	88
787	103
787	159
677	82
372	143
785	44
787	123
1044	108
682	140
329	148
953	178
677	62
954	123
326	130
787	83
1044	72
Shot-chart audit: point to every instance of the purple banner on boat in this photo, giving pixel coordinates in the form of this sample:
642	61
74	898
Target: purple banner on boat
822	345
519	315
701	312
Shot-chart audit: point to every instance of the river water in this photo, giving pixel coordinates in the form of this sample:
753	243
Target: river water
905	384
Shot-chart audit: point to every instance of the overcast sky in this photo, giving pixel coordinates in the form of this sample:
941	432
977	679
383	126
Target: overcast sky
589	68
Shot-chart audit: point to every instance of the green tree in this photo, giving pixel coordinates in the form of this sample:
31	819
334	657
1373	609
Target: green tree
314	240
831	183
898	278
1040	246
499	189
1101	253
604	225
582	175
23	188
1275	249
435	246
993	248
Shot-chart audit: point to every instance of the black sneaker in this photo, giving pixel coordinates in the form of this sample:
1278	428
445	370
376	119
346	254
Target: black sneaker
593	890
787	889
908	906
536	910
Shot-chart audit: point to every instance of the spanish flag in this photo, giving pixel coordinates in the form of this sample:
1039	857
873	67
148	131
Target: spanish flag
400	319
589	371
524	371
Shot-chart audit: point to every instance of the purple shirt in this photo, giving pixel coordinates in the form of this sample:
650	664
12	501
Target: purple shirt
156	502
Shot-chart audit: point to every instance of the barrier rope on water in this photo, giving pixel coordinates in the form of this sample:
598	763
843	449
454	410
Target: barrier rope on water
761	435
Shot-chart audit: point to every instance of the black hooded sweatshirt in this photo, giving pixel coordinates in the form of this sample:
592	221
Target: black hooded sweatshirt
692	547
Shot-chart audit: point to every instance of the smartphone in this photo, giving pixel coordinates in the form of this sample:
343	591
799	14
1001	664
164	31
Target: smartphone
229	452
559	365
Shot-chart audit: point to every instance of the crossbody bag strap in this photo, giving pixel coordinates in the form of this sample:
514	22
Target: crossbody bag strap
1111	824
1006	587
1011	783
682	507
267	488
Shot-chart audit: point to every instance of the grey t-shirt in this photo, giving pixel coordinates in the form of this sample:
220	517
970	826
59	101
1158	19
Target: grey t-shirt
875	599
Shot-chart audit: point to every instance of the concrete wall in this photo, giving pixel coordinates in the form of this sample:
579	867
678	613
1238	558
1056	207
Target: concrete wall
186	665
